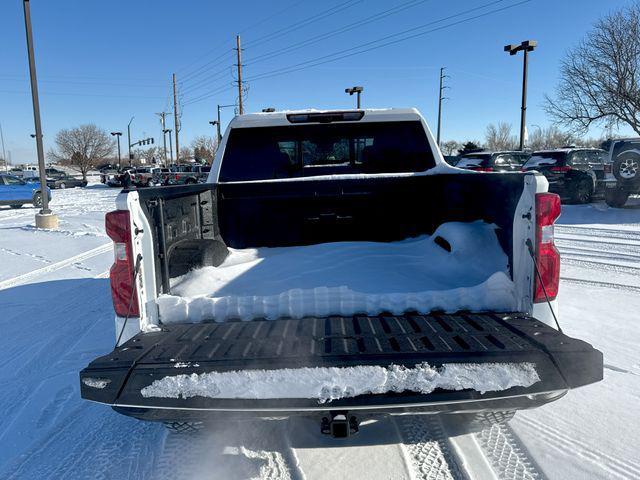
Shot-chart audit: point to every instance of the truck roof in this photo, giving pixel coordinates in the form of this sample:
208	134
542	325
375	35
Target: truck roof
279	118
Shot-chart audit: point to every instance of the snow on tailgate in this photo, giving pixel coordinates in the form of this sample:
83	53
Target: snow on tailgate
460	267
335	383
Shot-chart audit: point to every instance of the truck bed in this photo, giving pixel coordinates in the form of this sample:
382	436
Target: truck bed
561	362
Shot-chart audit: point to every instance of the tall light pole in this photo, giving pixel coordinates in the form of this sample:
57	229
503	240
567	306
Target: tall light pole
357	91
44	219
118	135
220	107
4	154
526	46
164	132
215	123
129	139
164	137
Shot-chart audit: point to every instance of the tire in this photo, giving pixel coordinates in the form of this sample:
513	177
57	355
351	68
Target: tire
184	427
62	185
16	206
616	197
626	168
37	199
583	191
190	181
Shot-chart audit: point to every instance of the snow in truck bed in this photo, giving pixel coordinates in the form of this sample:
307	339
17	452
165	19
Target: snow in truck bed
346	278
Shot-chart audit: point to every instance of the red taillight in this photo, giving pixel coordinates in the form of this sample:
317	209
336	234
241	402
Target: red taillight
564	169
123	291
177	177
547	256
481	169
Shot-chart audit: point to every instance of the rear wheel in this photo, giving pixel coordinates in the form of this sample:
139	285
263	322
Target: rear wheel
37	199
626	168
62	185
616	197
583	191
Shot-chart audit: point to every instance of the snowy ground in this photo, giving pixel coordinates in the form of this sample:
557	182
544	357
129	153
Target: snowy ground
56	315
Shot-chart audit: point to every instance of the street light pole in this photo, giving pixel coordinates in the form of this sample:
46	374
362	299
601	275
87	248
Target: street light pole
44	219
117	135
168	130
526	47
357	91
219	133
129	139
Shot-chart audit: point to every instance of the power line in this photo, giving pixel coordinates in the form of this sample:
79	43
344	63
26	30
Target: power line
259	22
207	95
303	23
199	71
346	28
207	80
360	48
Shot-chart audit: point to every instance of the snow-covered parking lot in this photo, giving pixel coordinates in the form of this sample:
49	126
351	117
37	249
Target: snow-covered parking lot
56	316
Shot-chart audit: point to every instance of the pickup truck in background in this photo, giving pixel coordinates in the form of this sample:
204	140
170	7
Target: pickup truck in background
337	184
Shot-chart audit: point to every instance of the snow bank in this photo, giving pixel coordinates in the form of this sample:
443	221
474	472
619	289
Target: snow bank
345	278
334	383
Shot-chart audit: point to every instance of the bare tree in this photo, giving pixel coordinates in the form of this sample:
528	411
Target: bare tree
204	148
500	137
600	78
449	147
82	148
186	154
550	137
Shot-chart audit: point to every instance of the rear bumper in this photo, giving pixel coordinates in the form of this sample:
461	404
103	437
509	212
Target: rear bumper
562	363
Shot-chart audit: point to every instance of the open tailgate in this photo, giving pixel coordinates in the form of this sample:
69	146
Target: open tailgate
408	340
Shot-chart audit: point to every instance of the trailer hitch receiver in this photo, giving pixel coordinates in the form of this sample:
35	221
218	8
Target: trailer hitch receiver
339	424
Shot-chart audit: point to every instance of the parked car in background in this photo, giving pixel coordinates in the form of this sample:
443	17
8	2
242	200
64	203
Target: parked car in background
63	180
576	174
16	192
493	161
188	174
623	156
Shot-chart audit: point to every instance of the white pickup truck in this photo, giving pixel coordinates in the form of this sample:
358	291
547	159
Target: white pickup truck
335	266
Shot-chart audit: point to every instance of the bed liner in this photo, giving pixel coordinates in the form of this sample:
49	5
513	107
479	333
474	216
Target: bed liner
562	362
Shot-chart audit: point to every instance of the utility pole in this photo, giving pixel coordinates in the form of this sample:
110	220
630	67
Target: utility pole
175	119
4	154
129	139
164	136
239	52
440	99
44	219
526	46
168	130
117	135
219	128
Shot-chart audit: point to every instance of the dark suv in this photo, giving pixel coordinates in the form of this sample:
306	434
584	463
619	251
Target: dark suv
576	174
493	161
623	154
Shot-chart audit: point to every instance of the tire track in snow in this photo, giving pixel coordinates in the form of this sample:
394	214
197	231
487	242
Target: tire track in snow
622	468
595	283
26	277
598	232
256	449
507	455
601	266
427	450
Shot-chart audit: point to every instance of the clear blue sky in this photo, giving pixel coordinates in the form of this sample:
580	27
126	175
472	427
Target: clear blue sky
103	62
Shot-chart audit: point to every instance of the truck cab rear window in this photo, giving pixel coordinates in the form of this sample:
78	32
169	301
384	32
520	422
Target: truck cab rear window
311	150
